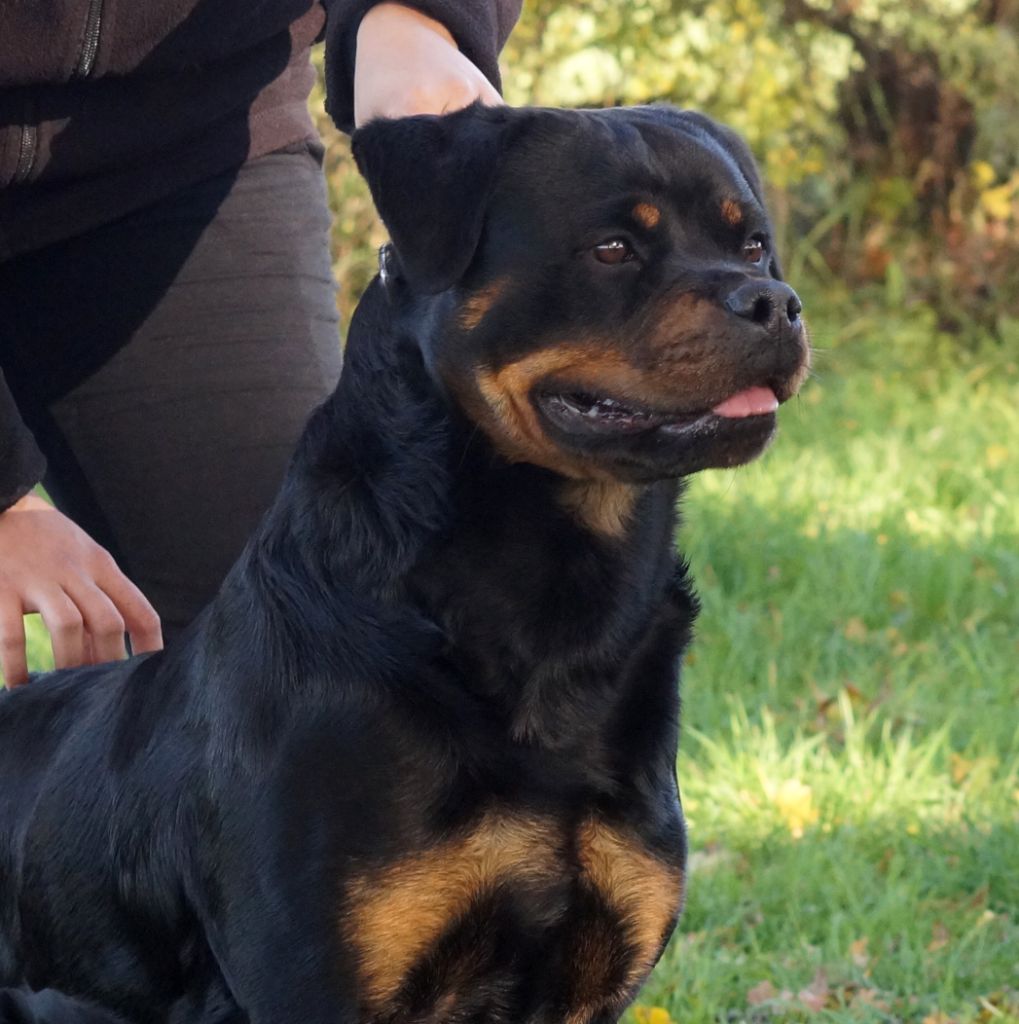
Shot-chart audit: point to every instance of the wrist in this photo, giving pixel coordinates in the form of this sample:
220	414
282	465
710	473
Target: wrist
30	502
386	18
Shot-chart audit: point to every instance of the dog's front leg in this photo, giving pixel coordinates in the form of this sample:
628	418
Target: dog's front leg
272	928
22	1006
282	970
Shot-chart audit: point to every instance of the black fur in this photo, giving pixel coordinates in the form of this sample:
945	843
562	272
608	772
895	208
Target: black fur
421	633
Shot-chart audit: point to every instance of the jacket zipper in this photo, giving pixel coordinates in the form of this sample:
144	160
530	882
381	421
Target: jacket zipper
90	41
27	147
26	154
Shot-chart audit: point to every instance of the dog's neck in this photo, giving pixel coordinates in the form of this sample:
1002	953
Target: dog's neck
396	504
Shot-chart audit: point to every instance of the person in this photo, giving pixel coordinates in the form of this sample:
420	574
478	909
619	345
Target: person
167	309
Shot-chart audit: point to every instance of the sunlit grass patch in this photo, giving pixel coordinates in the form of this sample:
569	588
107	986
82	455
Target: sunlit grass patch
867	873
750	783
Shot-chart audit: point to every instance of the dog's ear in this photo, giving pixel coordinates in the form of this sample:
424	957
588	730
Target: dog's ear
431	178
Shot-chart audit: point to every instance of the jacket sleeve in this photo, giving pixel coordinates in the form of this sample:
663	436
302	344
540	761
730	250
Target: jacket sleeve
480	28
21	462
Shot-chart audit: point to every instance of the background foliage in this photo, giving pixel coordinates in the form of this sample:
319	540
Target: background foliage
888	130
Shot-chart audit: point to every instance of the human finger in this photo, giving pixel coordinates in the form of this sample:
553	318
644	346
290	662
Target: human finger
140	618
13	659
104	625
66	626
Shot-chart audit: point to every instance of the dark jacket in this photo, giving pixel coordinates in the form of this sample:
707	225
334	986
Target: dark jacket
109	105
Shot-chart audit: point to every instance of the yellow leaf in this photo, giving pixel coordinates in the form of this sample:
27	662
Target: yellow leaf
858	952
960	767
983	173
855	629
651	1015
997	455
997	202
795	803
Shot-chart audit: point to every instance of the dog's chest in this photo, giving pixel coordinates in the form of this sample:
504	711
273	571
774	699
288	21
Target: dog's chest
517	919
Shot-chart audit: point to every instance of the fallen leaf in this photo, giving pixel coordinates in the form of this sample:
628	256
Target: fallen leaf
858	952
855	629
940	937
795	803
869	997
651	1015
997	455
815	996
761	993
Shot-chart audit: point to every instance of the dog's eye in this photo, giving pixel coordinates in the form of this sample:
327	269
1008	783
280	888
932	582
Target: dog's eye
753	250
613	250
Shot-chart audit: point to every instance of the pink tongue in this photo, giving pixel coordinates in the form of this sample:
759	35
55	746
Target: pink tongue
752	402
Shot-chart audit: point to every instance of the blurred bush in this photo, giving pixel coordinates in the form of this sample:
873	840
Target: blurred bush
888	131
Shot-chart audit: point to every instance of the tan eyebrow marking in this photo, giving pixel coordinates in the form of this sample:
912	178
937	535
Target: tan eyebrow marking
475	306
648	214
731	212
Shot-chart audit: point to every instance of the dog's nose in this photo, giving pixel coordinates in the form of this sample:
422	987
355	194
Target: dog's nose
772	304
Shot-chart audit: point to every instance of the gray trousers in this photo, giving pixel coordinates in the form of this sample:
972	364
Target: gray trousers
167	362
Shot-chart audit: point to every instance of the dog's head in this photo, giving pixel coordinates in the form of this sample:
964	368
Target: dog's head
607	300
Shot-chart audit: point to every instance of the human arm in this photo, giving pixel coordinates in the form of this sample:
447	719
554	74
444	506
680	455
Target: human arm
49	565
21	462
429	56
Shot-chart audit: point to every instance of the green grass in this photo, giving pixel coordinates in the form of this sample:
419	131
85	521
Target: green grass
849	763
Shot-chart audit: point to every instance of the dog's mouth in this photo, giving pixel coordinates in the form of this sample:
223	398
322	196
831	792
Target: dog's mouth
583	413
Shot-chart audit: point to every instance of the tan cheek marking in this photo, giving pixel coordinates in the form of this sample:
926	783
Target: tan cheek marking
647	214
643	891
393	915
518	433
681	336
684	336
474	308
605	506
731	212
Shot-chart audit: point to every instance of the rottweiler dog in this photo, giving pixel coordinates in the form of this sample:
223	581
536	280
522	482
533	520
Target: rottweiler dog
416	762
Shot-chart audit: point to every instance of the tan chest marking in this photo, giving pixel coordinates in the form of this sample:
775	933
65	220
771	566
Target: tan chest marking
396	913
645	892
604	506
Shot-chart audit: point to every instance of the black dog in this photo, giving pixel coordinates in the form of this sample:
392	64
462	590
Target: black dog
416	762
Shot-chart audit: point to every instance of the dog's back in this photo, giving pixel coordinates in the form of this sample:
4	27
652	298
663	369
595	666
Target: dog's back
94	840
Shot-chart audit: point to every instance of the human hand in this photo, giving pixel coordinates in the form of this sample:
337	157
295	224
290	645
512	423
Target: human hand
51	566
408	63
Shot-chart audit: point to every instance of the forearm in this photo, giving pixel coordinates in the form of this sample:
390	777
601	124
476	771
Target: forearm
21	462
479	29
